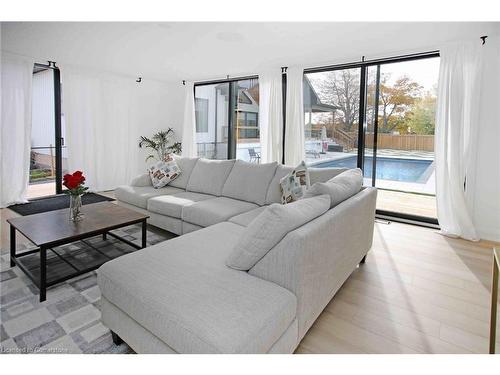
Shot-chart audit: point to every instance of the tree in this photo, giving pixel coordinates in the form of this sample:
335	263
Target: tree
341	88
422	119
396	102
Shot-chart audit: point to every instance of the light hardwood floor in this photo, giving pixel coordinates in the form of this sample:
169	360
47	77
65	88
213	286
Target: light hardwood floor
418	292
408	203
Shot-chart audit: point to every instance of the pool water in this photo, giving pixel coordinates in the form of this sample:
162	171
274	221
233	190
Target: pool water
407	170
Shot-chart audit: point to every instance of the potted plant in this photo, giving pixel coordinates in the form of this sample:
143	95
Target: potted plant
74	183
162	143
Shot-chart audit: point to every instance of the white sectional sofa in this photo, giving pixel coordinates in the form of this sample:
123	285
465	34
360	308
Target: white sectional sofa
180	297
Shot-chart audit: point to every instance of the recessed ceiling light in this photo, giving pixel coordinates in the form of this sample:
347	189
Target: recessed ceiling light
228	36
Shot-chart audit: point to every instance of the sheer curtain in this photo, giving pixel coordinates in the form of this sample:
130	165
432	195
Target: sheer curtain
15	136
271	116
294	132
189	148
96	109
457	126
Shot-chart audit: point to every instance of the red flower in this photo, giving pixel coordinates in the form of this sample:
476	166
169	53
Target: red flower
73	181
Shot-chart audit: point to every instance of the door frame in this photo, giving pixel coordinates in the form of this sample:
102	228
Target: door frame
363	66
58	140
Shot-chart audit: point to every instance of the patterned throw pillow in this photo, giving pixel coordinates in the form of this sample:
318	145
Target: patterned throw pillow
163	172
294	184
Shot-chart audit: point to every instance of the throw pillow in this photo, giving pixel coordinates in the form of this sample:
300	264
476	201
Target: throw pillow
340	187
163	172
294	184
271	226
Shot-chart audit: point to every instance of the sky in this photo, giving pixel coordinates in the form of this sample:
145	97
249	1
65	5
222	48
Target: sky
424	71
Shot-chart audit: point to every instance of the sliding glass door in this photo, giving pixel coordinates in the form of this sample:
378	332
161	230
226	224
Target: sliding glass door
48	153
331	109
246	120
403	154
227	120
379	117
212	120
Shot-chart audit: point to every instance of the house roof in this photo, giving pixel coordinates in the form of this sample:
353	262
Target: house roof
312	102
311	97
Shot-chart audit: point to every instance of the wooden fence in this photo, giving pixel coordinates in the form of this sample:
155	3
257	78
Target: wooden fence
414	142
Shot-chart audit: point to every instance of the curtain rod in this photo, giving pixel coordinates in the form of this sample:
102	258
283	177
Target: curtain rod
363	61
232	79
50	65
227	79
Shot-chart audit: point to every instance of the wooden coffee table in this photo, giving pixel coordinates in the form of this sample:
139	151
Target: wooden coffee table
51	229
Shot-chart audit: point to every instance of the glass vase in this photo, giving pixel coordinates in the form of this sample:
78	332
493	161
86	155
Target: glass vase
75	208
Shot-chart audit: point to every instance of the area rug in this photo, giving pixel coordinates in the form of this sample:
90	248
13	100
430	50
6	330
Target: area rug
69	321
57	202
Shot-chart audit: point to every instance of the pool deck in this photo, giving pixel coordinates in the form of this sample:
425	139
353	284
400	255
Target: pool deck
396	196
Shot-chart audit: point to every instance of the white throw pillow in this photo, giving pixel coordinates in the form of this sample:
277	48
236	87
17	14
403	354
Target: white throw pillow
271	226
340	187
294	184
163	172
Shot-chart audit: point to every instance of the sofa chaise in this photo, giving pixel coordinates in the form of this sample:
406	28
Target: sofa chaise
179	296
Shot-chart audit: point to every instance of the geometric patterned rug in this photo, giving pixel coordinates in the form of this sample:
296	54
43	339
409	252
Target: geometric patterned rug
69	321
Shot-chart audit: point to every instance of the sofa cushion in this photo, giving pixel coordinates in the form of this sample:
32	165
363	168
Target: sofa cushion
186	166
182	292
246	218
213	211
274	191
340	187
249	181
271	226
141	180
209	176
294	184
323	174
171	205
163	172
139	195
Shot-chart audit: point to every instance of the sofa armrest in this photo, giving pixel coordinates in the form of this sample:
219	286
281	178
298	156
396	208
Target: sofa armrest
141	180
314	260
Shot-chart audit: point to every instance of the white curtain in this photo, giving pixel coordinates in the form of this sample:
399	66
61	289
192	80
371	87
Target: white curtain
271	116
486	182
15	136
294	131
189	148
96	108
457	126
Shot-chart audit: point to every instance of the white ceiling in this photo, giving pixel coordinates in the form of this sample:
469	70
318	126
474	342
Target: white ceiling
196	51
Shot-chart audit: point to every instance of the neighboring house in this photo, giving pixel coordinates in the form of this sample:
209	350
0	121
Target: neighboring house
313	104
211	104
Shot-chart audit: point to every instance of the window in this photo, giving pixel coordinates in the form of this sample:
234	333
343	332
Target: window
211	111
392	104
227	120
201	114
331	109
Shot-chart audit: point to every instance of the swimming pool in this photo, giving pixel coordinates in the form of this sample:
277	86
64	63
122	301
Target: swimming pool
394	169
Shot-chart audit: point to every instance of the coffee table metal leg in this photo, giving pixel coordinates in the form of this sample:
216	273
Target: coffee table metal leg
12	245
43	274
144	234
104	236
